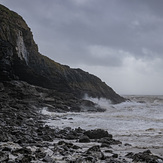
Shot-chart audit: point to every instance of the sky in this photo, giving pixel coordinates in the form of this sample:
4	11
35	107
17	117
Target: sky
120	41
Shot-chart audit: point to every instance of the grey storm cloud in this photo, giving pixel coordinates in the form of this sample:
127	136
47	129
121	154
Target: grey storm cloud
108	33
131	26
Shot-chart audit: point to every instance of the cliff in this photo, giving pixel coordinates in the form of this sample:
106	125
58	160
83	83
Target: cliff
20	60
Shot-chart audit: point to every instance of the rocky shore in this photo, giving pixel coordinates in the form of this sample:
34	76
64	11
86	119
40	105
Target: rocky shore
25	138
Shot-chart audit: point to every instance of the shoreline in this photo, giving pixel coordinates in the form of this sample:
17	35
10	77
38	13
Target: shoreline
77	145
25	137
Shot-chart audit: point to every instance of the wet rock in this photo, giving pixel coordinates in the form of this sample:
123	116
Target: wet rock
6	149
40	153
130	155
47	138
75	109
48	159
92	155
68	133
105	145
145	156
79	130
115	155
95	151
127	144
4	156
26	158
84	139
109	141
3	137
97	134
105	140
108	151
22	151
65	148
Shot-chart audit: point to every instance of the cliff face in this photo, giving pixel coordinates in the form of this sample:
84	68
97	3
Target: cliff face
20	60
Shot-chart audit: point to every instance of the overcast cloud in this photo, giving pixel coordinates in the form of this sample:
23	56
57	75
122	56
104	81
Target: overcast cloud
120	41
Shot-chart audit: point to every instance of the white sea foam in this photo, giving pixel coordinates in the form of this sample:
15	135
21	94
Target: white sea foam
138	122
102	102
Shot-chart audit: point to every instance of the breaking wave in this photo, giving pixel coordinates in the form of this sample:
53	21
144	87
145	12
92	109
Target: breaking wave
138	121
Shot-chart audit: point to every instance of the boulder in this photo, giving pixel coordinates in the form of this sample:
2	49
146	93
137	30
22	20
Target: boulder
109	141
84	139
97	134
95	151
145	156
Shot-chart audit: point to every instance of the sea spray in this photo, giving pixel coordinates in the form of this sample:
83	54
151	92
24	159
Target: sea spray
137	122
101	102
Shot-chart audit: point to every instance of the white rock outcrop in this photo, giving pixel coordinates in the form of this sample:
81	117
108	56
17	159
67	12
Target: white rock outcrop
21	49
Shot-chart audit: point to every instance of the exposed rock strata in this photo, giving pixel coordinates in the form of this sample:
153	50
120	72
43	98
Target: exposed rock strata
20	59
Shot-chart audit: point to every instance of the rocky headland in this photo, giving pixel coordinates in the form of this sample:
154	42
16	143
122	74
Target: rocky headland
30	82
20	60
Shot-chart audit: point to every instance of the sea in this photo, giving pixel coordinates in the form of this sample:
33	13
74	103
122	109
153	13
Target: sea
138	122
